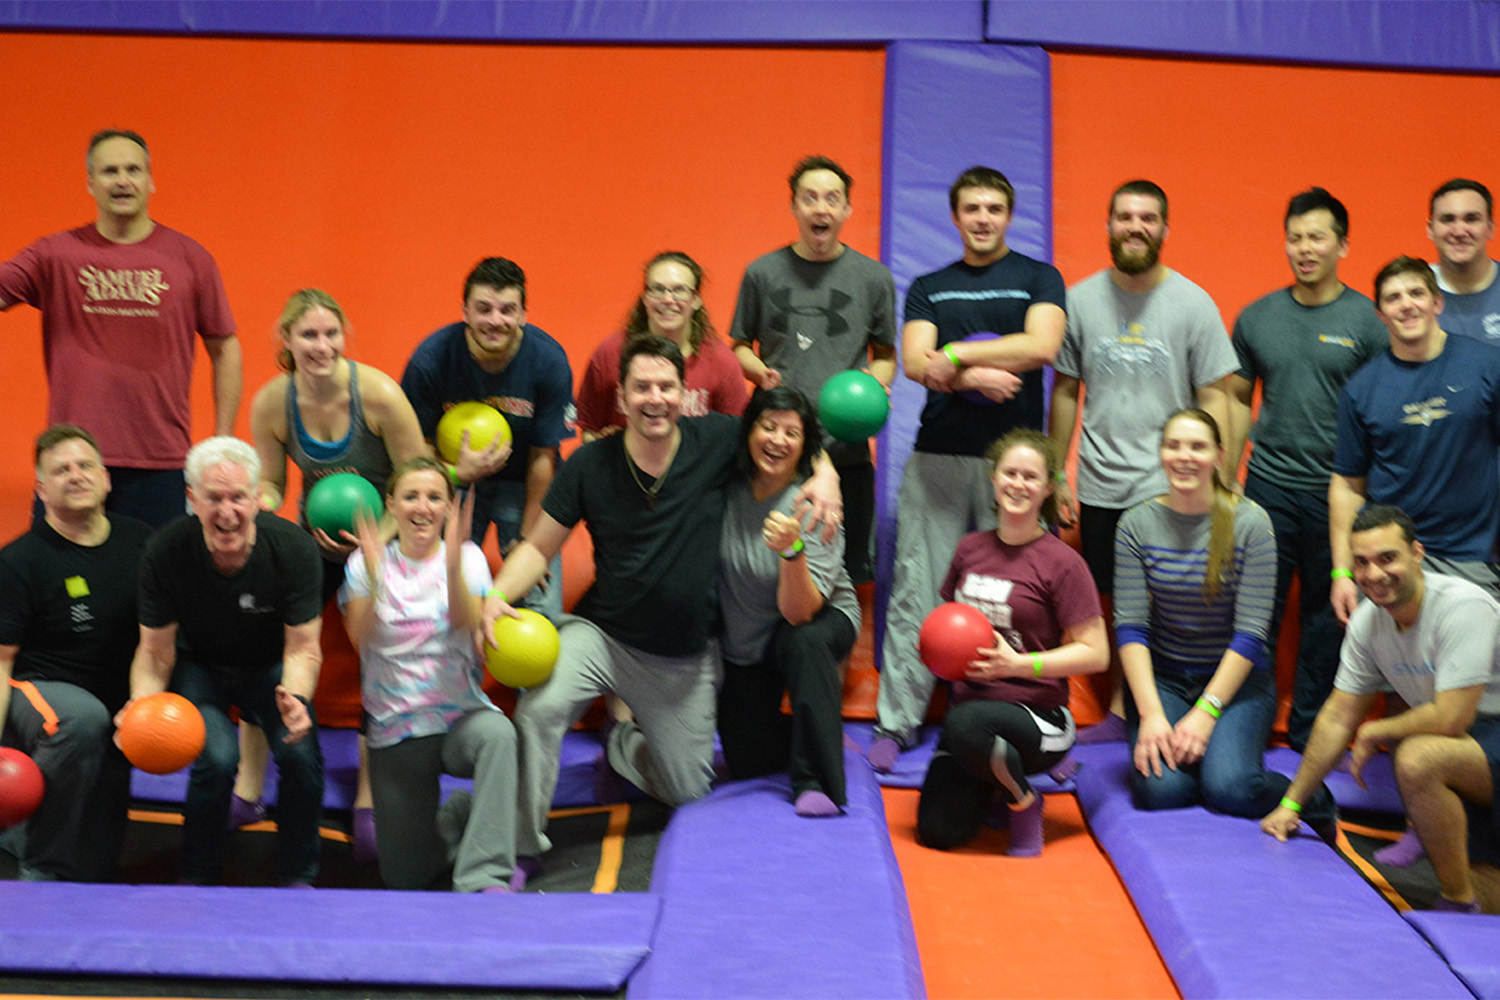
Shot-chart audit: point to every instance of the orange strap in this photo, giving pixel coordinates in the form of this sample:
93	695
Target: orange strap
49	717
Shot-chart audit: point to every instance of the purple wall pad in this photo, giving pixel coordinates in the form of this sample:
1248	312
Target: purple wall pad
759	902
575	784
949	106
1379	795
570	941
911	767
1234	913
873	21
1469	944
1415	34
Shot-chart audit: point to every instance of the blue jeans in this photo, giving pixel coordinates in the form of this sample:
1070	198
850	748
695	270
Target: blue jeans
1301	523
1230	778
299	766
503	504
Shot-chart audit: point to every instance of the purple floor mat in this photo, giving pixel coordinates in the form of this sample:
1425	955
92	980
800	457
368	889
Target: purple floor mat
1234	913
1469	943
1380	795
760	902
572	942
911	767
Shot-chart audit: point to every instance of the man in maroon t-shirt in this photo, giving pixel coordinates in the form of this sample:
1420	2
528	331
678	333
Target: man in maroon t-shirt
121	301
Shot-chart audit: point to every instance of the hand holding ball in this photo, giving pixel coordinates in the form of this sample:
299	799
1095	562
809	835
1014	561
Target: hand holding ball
483	422
21	787
952	635
853	405
335	503
522	650
161	733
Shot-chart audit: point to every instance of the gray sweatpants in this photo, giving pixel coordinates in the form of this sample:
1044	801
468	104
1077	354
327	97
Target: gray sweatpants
404	780
942	498
668	749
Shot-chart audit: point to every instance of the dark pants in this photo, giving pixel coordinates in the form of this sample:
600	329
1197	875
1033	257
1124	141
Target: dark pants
1096	542
857	482
961	781
1301	523
299	767
76	833
758	738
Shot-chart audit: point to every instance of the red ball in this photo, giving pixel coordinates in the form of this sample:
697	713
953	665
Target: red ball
952	636
21	787
161	733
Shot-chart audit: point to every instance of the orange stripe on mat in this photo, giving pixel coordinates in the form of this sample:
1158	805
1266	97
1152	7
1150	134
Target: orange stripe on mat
1369	871
1060	925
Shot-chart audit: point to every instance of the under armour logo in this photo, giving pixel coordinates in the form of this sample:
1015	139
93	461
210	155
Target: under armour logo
834	323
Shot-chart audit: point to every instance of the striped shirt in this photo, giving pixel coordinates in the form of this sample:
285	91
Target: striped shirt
1160	559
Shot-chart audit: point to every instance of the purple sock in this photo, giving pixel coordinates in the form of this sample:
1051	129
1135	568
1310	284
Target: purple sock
526	869
1446	905
1026	830
813	803
364	835
1110	729
882	754
1403	853
243	812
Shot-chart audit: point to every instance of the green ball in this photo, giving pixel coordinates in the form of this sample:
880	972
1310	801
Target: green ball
853	405
334	501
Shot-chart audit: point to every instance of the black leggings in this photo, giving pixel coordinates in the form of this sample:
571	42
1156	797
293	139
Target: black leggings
961	781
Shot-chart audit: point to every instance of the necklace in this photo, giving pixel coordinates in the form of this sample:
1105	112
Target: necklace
655	487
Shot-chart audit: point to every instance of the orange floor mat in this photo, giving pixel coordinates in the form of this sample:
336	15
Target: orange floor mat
1060	925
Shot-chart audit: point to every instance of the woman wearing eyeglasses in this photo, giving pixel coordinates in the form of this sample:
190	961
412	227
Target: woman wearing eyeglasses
669	306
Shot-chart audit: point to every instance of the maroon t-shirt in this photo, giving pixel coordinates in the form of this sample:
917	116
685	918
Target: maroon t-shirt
1031	594
712	383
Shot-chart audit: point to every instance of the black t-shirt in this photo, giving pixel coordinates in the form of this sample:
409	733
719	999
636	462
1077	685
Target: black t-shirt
72	608
231	621
655	570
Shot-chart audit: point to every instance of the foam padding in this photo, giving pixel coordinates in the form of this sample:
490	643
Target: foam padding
1378	795
1469	943
1235	913
564	942
760	902
911	767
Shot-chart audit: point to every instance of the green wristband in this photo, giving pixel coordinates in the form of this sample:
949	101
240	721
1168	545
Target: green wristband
1341	574
497	592
792	551
1036	664
1293	806
952	355
1204	704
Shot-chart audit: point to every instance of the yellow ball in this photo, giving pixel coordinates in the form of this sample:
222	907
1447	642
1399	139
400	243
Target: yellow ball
483	422
522	650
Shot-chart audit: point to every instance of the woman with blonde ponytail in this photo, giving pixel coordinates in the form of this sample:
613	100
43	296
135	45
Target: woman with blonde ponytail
1195	578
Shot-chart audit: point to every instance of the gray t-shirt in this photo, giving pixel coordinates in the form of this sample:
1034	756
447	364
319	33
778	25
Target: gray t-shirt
748	572
1452	645
1302	355
1476	314
1141	357
811	320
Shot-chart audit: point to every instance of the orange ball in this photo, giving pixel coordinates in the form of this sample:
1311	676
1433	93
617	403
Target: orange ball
21	787
161	733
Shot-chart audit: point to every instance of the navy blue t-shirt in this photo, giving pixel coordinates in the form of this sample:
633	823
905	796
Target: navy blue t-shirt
961	300
534	391
1426	437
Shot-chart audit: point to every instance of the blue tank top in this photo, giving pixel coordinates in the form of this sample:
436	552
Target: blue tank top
361	451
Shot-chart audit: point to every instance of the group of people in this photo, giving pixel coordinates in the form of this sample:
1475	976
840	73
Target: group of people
729	535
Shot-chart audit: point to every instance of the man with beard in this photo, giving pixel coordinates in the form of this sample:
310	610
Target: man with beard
1147	342
1461	223
1302	343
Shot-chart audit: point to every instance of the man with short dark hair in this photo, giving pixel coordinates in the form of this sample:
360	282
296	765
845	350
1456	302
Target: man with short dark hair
230	612
1302	343
495	356
1432	639
1419	427
121	301
1461	223
67	635
652	497
1017	303
816	308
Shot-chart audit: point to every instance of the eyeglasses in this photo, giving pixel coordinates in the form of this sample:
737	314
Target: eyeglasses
679	292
